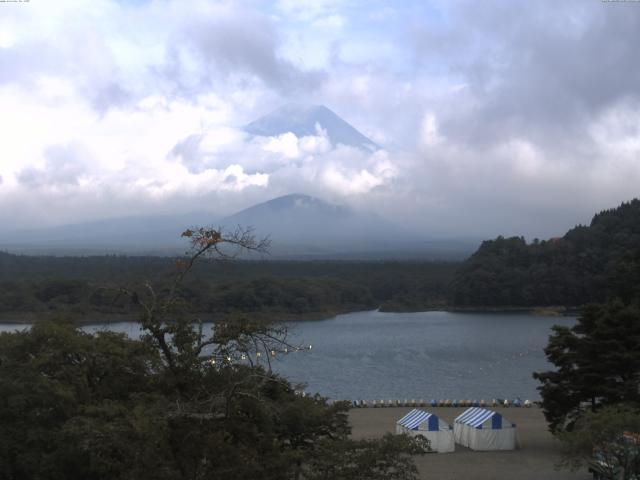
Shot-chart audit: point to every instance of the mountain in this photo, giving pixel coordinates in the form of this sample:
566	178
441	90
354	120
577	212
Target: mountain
300	223
301	120
300	227
137	234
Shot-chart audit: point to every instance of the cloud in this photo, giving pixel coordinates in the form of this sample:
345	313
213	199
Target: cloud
531	69
311	10
114	54
232	45
303	163
347	179
331	21
290	147
504	117
63	166
110	95
211	149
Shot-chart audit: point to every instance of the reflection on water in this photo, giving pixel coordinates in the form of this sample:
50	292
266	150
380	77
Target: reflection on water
373	355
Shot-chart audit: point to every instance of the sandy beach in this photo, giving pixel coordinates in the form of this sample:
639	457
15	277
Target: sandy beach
535	459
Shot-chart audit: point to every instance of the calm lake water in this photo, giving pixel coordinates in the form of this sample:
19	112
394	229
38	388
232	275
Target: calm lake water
373	355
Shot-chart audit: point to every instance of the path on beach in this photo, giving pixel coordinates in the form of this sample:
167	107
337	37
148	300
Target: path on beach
535	459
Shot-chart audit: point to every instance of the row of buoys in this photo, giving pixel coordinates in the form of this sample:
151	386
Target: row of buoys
496	402
213	360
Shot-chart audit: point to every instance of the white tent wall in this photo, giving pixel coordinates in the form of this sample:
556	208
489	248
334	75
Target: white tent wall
481	439
440	441
480	429
439	433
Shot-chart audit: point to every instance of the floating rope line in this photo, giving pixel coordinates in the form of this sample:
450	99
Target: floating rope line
226	358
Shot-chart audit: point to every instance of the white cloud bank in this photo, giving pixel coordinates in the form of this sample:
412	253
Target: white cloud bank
504	117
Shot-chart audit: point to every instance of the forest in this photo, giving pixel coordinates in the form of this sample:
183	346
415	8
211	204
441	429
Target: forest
178	403
589	264
287	289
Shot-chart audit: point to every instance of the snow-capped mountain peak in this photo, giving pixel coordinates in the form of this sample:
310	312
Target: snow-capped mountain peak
305	120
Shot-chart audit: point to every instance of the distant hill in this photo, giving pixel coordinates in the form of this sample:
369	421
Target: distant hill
588	264
305	227
138	235
304	220
300	226
301	120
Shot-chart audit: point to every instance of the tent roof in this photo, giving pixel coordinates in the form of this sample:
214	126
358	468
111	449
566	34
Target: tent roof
474	417
414	418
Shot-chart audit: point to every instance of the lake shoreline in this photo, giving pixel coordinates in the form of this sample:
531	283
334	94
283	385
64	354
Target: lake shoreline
100	318
97	318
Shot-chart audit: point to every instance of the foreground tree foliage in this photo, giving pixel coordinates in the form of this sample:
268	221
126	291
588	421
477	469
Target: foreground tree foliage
605	441
347	459
598	364
180	403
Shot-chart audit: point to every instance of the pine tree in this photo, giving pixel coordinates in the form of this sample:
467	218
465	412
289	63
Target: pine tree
597	360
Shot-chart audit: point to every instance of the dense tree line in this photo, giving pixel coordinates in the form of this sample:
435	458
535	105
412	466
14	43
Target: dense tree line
76	285
179	403
589	264
592	397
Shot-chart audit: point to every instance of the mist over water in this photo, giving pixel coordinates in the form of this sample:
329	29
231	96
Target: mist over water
439	355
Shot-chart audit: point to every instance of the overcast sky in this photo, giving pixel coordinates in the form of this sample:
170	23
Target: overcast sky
496	117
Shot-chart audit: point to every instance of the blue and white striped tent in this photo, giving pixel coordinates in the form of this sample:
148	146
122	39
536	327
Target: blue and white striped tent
418	422
482	429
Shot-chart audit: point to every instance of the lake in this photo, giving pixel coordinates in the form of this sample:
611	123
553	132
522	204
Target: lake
375	355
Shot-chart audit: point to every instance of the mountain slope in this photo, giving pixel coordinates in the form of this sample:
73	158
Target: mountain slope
305	227
588	264
301	120
300	227
306	221
143	234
